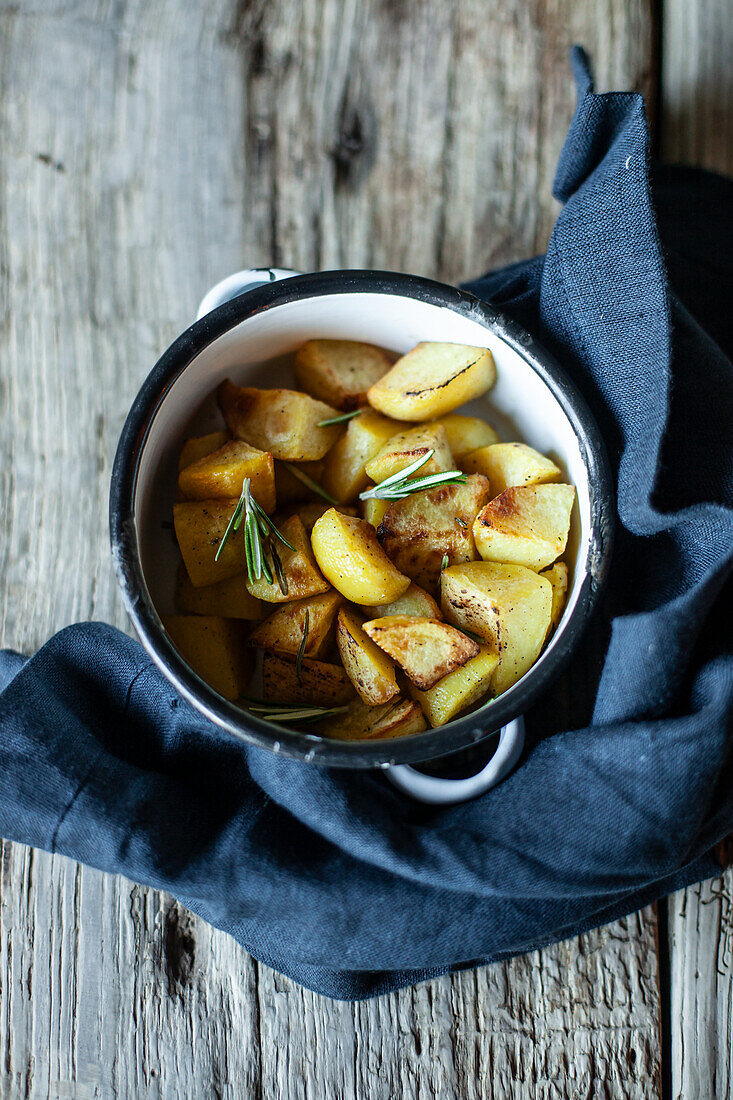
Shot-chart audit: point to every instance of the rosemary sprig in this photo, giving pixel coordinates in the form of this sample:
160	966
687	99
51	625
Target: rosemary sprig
301	647
258	529
339	419
400	485
287	712
236	520
461	523
444	563
309	482
282	580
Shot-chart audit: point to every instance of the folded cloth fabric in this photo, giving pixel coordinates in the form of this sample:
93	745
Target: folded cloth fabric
626	785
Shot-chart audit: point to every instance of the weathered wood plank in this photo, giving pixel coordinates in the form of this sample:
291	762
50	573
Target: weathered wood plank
145	151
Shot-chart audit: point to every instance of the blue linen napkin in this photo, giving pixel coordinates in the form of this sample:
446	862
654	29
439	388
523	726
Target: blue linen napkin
626	785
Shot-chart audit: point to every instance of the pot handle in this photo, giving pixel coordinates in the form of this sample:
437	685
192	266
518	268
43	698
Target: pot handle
239	283
443	792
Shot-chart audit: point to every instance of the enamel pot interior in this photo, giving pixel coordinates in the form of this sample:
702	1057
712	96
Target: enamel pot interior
252	339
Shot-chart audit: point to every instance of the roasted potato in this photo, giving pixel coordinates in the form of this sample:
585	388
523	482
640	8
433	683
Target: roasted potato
420	529
313	510
374	510
344	474
399	718
339	372
200	527
458	690
558	578
407	447
370	670
290	489
415	601
315	683
284	422
302	577
221	474
508	606
525	525
433	379
425	649
466	433
283	629
507	464
214	648
201	445
229	599
350	557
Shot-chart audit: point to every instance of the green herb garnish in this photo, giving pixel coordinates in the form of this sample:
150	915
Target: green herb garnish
444	563
287	712
259	532
309	482
399	485
301	647
338	419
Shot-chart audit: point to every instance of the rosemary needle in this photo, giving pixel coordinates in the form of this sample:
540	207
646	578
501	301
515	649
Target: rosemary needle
401	484
311	484
339	419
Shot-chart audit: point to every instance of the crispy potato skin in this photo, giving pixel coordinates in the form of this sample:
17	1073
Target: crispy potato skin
525	525
407	447
283	422
425	649
283	629
321	684
214	648
228	599
557	575
302	575
459	689
398	718
416	601
466	433
433	379
339	372
508	464
200	446
221	473
417	531
200	527
508	606
350	557
370	670
344	473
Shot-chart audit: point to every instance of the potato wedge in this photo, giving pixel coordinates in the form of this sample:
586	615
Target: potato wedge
458	690
344	474
283	629
302	577
466	433
229	599
433	379
200	446
507	464
221	474
350	557
506	605
200	527
407	447
425	649
415	601
374	510
525	525
284	422
290	489
417	531
399	718
320	684
370	670
214	648
339	372
558	578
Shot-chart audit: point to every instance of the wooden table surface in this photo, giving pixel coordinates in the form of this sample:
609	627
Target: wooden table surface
146	150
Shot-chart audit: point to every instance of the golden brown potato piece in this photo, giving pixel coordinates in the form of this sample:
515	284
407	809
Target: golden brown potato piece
229	599
506	605
283	629
351	558
433	379
398	718
425	649
344	474
221	474
302	577
374	510
558	578
290	489
370	670
214	648
284	422
525	525
320	684
466	433
419	530
507	464
415	601
339	372
459	689
200	446
200	527
407	447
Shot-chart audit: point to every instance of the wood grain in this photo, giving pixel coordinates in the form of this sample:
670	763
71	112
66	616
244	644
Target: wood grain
146	150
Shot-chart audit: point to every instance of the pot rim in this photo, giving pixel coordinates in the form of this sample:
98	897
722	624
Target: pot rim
433	743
